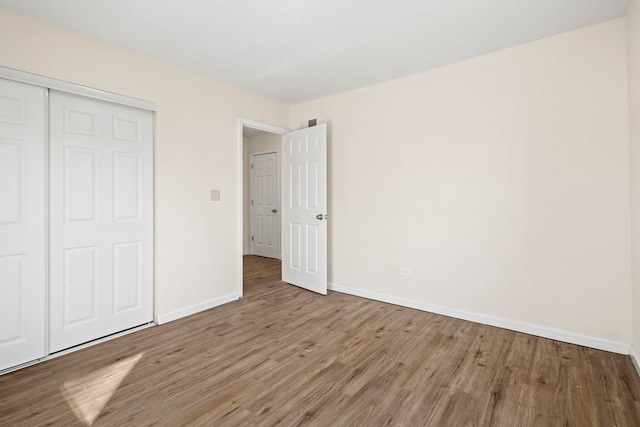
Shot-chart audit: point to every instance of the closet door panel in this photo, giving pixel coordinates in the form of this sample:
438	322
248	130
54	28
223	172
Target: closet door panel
101	219
22	223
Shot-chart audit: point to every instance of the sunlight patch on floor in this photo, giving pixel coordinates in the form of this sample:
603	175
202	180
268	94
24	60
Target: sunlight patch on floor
87	396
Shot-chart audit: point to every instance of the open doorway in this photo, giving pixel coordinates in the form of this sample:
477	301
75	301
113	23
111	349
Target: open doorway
261	143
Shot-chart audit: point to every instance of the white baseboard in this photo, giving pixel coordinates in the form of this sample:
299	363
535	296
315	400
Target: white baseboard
635	359
541	331
197	308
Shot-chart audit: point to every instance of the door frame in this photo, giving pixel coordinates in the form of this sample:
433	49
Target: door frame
279	196
240	189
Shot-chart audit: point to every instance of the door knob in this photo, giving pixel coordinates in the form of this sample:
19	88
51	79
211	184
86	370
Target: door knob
319	216
274	210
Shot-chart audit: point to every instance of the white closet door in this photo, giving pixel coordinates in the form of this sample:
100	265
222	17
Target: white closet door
22	223
101	223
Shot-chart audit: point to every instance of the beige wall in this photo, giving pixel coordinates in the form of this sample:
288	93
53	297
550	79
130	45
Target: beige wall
262	142
502	182
196	149
633	49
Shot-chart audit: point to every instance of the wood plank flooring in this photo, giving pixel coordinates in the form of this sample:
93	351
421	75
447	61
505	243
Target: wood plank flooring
285	356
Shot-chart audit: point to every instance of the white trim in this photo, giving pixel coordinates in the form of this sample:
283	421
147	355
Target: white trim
635	360
240	189
78	347
261	126
67	87
196	308
541	331
47	225
154	216
246	253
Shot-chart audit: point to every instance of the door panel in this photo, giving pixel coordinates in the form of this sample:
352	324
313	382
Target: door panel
100	219
304	208
12	286
12	184
265	205
126	188
127	274
80	282
22	223
79	185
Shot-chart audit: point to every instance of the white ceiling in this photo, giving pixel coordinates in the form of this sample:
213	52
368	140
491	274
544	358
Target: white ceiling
297	50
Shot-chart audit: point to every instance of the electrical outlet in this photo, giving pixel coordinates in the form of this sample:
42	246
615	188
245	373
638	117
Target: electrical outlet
215	195
404	271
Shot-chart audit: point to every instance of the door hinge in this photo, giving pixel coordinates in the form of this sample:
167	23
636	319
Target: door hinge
252	238
251	165
252	203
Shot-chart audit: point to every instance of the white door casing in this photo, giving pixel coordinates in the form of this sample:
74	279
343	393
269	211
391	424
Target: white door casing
304	208
22	223
101	220
264	207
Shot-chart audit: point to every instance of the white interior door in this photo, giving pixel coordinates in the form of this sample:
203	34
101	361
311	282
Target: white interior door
304	208
22	223
265	224
101	223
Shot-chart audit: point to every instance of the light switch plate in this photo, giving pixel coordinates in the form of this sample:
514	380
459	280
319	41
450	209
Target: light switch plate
215	195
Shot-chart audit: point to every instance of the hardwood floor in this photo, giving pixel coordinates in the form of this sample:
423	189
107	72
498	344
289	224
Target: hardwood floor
285	356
